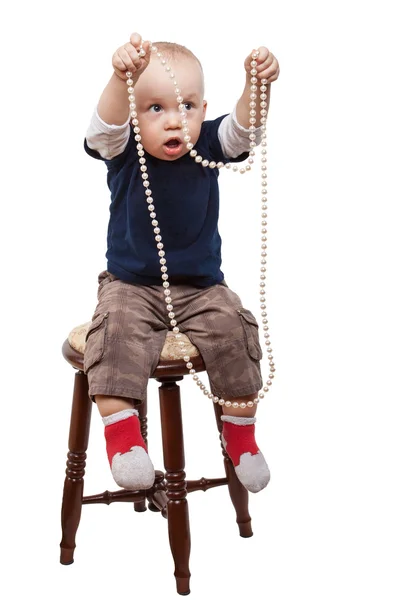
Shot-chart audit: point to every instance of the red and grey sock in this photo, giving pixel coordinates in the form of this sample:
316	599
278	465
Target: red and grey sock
130	464
240	444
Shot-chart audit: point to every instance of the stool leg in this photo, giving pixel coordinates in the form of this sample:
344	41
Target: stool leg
142	409
73	485
238	493
174	462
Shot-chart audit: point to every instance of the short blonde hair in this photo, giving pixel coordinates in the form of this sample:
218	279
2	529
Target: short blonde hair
173	51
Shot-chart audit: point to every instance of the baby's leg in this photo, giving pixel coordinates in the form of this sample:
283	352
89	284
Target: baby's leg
123	345
109	405
130	464
226	334
238	438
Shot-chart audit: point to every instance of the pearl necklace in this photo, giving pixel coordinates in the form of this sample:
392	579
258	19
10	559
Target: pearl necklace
212	165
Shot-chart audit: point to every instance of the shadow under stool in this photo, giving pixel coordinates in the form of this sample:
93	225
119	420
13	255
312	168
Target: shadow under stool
168	496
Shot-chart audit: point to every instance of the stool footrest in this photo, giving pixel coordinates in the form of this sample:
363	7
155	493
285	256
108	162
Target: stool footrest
204	484
120	496
137	496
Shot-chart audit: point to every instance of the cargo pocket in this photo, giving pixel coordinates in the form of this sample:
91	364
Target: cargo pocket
96	336
250	327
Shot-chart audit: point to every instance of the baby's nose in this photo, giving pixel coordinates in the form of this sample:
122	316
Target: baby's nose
173	121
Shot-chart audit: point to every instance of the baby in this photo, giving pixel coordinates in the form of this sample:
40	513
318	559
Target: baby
134	310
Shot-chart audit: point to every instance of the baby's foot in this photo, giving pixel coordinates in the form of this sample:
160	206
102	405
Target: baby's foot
240	444
130	464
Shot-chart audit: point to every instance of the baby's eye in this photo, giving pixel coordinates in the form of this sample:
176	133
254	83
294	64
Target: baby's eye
188	105
156	108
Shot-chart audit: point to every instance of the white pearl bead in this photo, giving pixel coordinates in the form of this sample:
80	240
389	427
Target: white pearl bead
221	401
198	159
228	403
235	405
193	153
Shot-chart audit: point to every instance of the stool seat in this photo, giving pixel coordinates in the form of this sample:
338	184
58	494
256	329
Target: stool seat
170	358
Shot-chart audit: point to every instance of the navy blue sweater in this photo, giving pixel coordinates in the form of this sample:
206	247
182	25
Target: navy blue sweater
186	200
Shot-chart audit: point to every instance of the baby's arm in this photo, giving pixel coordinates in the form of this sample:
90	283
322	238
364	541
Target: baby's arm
233	132
267	68
108	131
113	107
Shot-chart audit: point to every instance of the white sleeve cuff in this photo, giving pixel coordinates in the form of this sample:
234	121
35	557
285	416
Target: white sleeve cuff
233	137
108	140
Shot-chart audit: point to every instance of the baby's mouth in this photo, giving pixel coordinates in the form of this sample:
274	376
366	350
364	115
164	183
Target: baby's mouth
173	146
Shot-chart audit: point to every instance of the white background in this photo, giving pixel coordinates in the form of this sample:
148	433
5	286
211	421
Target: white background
327	526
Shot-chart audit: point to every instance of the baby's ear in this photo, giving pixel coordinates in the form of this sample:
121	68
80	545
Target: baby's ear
204	109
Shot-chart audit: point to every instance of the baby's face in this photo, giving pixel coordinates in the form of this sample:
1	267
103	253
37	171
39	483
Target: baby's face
157	106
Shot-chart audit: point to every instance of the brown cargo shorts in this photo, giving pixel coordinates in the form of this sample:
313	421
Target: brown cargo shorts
128	331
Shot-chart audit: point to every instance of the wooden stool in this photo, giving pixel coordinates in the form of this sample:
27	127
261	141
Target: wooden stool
168	494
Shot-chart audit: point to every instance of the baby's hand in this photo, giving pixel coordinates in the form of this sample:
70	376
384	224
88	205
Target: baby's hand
267	65
127	58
